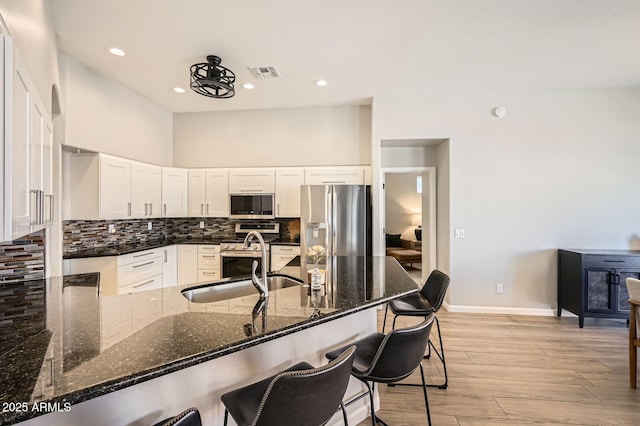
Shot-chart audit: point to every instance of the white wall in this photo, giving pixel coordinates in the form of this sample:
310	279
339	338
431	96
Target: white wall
402	202
31	26
404	156
280	137
560	170
103	115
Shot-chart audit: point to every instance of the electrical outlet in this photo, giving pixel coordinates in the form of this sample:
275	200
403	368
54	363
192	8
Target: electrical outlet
459	233
112	229
149	225
499	288
201	224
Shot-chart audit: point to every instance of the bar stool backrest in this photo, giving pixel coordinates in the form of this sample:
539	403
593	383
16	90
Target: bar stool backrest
435	288
400	353
306	397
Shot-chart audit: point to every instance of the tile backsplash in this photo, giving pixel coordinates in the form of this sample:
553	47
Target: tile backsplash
80	235
22	259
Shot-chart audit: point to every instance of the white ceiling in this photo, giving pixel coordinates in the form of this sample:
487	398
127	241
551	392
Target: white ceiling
364	48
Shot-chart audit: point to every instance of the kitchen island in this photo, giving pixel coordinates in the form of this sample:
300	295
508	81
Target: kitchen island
140	357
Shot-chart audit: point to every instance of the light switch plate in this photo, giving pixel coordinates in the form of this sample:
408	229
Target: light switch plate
149	225
201	224
459	233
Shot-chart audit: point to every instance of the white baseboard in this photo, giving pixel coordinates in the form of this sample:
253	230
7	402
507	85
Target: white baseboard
503	310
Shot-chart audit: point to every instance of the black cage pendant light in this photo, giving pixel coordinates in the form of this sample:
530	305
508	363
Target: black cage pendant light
212	79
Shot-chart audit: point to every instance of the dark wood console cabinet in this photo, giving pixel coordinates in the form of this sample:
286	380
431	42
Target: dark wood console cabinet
592	283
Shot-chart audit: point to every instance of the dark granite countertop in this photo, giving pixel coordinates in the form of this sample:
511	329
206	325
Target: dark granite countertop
78	346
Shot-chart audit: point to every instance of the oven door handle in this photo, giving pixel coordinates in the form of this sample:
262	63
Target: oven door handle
250	255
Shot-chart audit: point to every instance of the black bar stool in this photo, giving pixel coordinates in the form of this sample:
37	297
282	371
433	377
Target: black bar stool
390	358
426	302
189	417
300	395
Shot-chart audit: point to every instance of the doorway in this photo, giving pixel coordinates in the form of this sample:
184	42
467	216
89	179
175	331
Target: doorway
410	210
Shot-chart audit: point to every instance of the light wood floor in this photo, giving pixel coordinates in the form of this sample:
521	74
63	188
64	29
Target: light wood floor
521	370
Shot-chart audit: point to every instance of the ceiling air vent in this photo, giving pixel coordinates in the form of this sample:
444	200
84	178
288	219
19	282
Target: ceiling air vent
265	72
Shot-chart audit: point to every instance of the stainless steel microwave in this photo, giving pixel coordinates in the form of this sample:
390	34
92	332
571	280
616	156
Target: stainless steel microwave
252	206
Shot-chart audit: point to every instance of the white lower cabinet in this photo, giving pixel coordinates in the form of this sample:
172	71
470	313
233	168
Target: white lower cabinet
170	266
208	263
281	255
140	271
187	264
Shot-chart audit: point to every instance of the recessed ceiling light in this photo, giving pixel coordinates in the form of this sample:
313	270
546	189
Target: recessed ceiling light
248	86
115	51
179	90
321	83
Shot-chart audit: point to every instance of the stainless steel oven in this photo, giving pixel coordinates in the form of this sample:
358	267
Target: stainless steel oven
236	261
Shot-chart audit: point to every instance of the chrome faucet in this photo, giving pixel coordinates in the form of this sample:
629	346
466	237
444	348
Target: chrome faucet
259	284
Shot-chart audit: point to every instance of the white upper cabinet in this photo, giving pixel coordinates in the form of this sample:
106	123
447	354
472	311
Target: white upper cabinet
28	133
208	193
288	181
343	175
146	190
18	108
174	192
217	193
247	181
197	196
115	188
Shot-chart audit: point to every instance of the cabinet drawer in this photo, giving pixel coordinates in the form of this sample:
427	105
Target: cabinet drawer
208	275
138	271
284	250
612	261
127	259
151	283
208	261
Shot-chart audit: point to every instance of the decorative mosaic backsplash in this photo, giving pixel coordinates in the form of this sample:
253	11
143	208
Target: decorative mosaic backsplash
22	309
80	235
22	259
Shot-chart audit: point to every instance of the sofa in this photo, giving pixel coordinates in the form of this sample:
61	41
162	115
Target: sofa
402	250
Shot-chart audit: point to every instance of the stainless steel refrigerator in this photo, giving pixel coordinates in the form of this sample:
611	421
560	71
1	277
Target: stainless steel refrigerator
337	217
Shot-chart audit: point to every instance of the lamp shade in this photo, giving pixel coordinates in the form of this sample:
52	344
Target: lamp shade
416	220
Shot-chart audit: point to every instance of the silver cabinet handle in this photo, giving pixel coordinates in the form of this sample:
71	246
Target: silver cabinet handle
208	273
278	208
165	256
128	209
53	371
165	209
208	255
33	206
143	254
285	249
337	182
207	209
251	190
150	209
144	264
202	209
49	216
145	208
145	283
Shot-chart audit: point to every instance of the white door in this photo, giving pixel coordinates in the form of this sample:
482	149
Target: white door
217	193
197	196
115	188
174	192
19	141
288	183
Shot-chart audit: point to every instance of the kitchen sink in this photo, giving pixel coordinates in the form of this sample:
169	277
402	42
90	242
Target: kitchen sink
229	289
